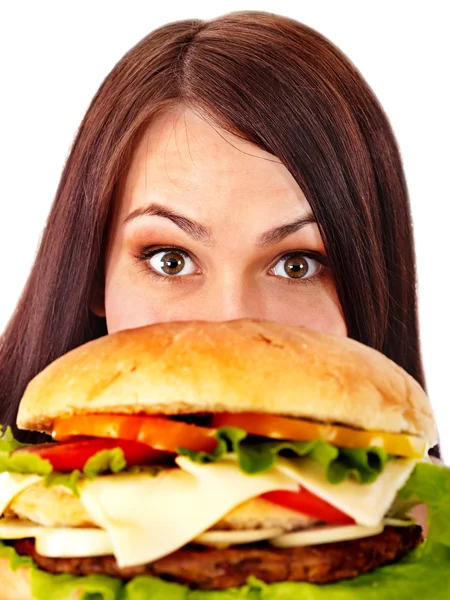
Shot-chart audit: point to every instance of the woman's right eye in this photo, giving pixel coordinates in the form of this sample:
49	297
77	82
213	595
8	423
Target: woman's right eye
171	262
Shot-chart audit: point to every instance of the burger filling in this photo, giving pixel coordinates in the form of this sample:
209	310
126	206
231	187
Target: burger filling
208	500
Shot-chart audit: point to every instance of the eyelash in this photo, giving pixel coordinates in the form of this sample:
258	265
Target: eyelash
149	252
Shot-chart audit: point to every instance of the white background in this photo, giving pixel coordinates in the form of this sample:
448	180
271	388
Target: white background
54	55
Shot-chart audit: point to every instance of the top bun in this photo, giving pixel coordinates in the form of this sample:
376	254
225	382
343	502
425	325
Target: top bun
233	366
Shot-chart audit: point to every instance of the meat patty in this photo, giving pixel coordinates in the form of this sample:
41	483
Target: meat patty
208	569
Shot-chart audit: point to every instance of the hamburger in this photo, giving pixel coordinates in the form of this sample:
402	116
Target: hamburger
223	460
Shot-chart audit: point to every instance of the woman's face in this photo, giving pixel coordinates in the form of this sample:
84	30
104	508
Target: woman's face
211	227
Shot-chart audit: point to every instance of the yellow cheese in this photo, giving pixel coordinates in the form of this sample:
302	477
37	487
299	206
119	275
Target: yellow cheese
18	529
224	539
366	503
149	517
325	534
65	542
12	484
58	542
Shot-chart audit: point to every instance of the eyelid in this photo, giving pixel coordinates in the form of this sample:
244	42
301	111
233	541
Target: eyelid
151	250
319	256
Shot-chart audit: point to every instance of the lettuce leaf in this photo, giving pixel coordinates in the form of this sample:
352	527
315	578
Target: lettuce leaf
21	462
255	457
7	441
45	586
68	480
103	461
106	460
430	484
15	560
28	463
24	462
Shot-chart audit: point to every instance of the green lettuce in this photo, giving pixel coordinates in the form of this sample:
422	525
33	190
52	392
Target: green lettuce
21	462
106	460
103	461
45	586
430	484
68	480
7	441
25	463
423	574
112	460
255	457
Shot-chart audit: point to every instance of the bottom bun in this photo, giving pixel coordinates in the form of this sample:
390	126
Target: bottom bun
15	585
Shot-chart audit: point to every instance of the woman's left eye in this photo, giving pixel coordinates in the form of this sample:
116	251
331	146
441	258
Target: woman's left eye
297	266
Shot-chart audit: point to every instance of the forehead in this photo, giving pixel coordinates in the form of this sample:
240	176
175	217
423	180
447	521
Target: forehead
185	160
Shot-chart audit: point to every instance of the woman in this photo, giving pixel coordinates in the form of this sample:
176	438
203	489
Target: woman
226	168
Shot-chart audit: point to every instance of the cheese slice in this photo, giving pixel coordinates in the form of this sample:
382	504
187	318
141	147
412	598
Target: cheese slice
326	534
149	517
17	529
12	484
66	542
58	542
224	539
366	503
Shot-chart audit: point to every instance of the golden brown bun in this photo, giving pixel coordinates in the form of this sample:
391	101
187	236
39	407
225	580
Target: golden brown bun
16	585
234	366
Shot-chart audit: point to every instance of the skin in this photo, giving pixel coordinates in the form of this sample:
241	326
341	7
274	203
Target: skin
238	192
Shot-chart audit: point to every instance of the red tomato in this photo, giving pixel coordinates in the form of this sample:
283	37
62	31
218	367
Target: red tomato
158	432
73	455
309	504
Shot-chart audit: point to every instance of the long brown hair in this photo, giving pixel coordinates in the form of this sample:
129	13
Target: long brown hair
274	82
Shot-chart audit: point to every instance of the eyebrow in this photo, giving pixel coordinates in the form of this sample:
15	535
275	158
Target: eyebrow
204	234
193	228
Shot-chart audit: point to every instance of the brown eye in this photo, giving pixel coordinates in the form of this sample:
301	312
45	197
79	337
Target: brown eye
296	266
172	262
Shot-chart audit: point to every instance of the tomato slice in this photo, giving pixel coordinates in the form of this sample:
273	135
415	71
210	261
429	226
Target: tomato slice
289	428
158	432
73	455
308	503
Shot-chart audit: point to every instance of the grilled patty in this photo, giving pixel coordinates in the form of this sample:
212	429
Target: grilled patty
208	569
